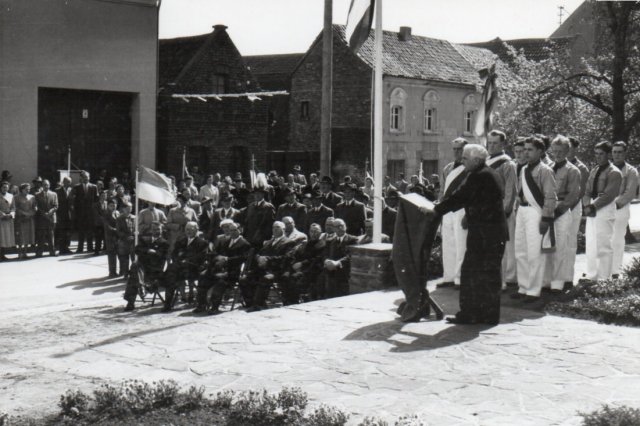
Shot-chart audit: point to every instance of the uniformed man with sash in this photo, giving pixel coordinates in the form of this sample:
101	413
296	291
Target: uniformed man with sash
558	270
628	191
576	211
534	221
454	233
506	169
603	187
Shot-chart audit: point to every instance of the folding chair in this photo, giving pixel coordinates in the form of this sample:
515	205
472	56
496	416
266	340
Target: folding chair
146	288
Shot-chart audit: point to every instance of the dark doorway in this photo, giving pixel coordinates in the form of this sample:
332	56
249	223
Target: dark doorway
96	125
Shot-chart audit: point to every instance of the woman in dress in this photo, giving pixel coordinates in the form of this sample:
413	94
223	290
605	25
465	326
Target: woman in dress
368	190
25	205
7	213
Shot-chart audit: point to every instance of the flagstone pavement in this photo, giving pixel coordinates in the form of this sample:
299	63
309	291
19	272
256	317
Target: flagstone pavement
62	327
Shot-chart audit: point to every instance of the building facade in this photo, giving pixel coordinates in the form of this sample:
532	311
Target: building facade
78	74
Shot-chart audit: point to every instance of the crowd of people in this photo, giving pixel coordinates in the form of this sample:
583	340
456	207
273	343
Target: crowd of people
530	243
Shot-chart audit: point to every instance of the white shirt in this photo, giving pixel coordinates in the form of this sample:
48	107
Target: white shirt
210	191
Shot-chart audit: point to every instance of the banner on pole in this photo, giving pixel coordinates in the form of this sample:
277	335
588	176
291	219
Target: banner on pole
359	22
154	187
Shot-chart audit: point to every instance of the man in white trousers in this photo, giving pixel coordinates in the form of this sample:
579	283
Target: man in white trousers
454	231
506	169
599	204
567	176
576	211
537	202
628	190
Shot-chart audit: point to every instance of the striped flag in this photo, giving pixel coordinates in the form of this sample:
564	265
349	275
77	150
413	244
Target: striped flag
359	22
488	101
154	187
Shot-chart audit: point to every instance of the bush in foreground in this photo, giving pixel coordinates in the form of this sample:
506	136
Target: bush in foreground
608	416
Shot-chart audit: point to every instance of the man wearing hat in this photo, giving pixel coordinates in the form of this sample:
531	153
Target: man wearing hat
207	217
329	198
351	211
260	215
188	181
37	185
84	195
210	191
298	177
237	181
46	204
318	213
292	208
225	211
6	176
125	228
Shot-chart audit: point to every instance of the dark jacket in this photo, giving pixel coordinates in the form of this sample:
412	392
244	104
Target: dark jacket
83	205
63	214
258	222
354	216
152	263
276	254
338	251
389	221
236	255
297	211
331	200
46	207
320	217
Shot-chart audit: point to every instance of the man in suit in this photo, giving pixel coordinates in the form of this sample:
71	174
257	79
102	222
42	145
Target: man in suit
207	218
318	213
603	187
266	268
225	212
147	216
259	218
402	184
298	177
111	236
291	232
223	270
210	191
389	213
125	228
305	268
292	208
63	216
152	251
329	198
192	203
351	211
84	195
481	195
46	205
99	211
337	263
187	261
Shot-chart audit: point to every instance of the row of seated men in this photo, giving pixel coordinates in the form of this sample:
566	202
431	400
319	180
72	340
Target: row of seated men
309	267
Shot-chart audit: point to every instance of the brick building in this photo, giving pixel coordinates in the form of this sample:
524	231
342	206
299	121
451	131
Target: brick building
430	97
221	134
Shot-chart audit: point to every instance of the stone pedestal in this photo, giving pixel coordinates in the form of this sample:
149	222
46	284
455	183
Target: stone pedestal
371	268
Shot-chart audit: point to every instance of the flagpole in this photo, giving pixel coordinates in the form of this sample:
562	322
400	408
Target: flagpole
377	130
184	160
69	161
137	210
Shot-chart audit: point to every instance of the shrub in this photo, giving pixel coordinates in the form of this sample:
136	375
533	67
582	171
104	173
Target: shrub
327	416
632	271
607	416
72	403
192	399
223	400
110	401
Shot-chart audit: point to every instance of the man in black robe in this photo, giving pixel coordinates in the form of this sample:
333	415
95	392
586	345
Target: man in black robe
481	195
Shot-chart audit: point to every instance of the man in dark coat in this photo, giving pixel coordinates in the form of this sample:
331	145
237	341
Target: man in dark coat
389	213
329	198
305	268
46	205
63	216
223	270
481	195
187	261
318	213
152	251
351	211
292	208
337	264
84	195
259	217
266	268
225	211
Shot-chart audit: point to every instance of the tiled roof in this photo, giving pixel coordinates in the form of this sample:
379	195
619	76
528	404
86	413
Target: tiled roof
536	49
419	57
273	71
175	54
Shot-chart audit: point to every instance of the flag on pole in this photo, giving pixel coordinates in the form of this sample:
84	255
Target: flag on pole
154	187
421	174
359	21
489	93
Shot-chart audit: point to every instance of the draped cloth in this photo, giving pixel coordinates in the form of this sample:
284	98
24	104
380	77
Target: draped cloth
414	234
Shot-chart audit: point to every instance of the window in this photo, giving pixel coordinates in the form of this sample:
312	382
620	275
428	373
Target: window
396	118
394	168
220	85
431	99
468	121
397	105
304	110
429	167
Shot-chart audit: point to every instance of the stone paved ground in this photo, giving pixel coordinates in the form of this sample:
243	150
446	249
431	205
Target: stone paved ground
62	326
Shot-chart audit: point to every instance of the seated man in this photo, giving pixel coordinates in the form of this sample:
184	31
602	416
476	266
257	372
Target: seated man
223	270
368	234
337	264
307	264
291	232
152	252
266	268
187	260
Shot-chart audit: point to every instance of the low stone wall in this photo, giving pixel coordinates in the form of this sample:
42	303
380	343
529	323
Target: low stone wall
371	268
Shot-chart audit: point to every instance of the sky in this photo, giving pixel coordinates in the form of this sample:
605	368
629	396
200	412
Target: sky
289	26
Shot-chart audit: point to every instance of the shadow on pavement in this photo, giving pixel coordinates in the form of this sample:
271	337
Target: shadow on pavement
91	282
76	256
119	287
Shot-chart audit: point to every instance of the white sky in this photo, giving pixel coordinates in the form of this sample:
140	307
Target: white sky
290	26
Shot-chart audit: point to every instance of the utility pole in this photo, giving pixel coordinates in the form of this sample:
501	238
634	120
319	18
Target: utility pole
327	89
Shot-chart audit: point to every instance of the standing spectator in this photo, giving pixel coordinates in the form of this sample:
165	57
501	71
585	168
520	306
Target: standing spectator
7	213
111	236
367	189
6	176
222	213
197	177
291	207
210	191
237	181
121	197
576	210
37	185
387	187
147	216
402	184
193	190
260	215
351	211
63	216
337	264
25	204
84	195
329	198
126	181
298	177
125	228
46	206
99	210
177	219
318	212
293	185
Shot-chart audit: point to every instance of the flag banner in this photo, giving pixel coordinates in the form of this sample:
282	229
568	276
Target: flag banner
359	21
252	178
487	103
154	187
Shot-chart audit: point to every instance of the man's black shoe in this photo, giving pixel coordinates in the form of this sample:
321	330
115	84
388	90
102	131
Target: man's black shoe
530	299
512	285
130	307
568	285
556	292
254	309
460	320
517	296
213	311
615	276
199	310
445	284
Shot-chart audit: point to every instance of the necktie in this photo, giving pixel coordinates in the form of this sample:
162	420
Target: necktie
594	189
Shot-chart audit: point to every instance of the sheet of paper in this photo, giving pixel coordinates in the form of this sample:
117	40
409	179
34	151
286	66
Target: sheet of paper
418	200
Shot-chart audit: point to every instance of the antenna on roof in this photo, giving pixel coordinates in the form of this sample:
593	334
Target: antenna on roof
561	10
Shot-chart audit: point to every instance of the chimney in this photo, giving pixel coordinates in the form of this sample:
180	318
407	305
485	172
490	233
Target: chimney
219	27
404	34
